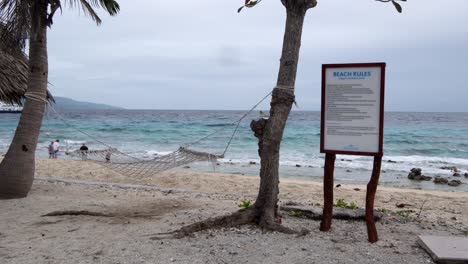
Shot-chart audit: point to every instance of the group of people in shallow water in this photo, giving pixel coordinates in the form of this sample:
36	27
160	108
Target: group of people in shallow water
54	148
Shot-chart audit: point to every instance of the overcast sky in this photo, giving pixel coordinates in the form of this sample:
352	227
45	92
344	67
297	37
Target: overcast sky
204	55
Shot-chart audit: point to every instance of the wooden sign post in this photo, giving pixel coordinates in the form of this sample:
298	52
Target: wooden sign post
352	124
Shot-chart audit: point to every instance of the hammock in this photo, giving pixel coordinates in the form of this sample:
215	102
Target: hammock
130	166
127	165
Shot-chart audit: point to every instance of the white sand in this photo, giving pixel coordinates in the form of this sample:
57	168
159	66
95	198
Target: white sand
26	237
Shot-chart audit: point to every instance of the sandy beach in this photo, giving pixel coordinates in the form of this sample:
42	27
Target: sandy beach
134	209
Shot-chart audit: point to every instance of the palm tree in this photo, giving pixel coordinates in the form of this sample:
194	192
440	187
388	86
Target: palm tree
29	19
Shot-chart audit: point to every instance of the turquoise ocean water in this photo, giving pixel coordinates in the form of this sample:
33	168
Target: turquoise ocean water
426	140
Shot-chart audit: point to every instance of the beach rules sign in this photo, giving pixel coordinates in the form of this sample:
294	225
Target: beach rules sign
352	108
352	124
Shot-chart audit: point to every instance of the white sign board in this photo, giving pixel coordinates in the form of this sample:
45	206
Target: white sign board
352	108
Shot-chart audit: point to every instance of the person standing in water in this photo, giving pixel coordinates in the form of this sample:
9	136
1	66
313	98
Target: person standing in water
56	146
84	152
51	150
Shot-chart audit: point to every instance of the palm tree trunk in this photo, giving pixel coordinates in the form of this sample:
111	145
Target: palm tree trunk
270	132
17	167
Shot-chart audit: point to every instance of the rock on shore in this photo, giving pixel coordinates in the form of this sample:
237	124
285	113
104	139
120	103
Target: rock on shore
416	174
440	180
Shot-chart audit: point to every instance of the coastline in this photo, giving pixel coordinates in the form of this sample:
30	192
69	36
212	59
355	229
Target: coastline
342	175
77	169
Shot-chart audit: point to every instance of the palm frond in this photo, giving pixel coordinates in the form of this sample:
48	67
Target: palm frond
86	7
14	73
14	69
13	78
15	23
110	6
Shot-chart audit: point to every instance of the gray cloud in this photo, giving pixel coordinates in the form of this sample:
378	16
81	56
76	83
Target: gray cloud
203	55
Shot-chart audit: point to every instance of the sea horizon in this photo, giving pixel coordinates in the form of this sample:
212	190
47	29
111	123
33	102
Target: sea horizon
262	109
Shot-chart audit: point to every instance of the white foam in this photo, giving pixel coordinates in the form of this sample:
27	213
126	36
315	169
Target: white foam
430	165
74	142
425	159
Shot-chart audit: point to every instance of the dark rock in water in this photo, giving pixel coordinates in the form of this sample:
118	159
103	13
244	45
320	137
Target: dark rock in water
453	168
416	175
422	178
186	167
440	180
218	163
338	185
466	175
357	189
454	183
411	175
252	162
391	161
348	171
456	174
298	166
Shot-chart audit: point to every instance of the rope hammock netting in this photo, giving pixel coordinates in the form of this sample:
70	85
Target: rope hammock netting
131	166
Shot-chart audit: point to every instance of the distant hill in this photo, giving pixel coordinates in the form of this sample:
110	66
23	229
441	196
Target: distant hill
67	104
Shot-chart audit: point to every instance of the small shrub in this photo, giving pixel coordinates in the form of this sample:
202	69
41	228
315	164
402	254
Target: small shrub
352	205
296	213
384	210
341	203
245	204
402	213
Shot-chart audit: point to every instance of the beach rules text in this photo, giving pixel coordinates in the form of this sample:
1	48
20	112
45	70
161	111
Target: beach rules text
352	105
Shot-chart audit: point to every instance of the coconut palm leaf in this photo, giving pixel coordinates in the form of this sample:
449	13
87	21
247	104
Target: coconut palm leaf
14	71
16	22
87	6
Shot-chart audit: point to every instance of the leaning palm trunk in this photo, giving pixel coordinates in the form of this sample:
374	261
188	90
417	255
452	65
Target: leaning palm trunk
270	132
18	165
